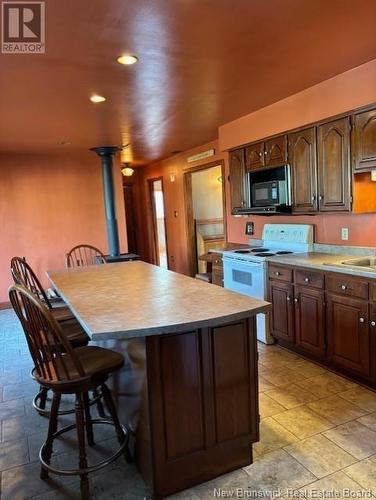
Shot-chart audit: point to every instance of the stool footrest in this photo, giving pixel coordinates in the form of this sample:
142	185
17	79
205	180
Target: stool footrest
92	468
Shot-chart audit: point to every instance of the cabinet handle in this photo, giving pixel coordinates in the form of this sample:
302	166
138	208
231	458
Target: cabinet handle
343	287
288	298
265	152
296	301
260	154
373	323
321	197
277	273
314	197
361	320
306	280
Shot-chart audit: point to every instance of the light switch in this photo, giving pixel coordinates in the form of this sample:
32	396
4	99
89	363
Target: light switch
344	233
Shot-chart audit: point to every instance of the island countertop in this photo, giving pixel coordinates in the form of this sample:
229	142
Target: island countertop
136	299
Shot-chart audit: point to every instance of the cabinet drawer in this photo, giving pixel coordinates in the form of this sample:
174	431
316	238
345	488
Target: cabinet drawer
280	273
217	276
345	285
308	277
217	260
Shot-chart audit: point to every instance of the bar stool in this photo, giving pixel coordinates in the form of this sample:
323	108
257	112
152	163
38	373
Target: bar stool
84	255
64	370
23	274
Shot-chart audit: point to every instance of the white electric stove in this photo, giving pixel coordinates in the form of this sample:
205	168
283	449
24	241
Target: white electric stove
245	268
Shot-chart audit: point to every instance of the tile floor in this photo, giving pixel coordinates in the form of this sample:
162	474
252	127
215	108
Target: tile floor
318	434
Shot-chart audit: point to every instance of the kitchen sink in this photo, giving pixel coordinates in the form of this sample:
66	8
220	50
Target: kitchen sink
363	263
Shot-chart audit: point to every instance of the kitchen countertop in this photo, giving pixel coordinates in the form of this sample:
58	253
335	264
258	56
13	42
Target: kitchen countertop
136	299
323	262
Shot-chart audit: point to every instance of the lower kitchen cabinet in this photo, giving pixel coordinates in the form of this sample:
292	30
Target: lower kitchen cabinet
310	320
348	333
282	316
330	317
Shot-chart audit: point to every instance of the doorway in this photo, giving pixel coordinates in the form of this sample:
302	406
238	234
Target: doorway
130	216
205	212
159	222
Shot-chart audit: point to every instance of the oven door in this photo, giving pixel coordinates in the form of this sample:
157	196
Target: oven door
244	277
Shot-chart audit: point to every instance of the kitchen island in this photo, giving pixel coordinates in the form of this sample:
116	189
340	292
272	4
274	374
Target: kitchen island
189	387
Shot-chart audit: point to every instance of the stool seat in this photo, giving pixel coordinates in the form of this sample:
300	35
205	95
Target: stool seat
62	313
74	333
95	361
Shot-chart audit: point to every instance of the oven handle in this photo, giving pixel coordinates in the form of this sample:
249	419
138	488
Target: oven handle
244	262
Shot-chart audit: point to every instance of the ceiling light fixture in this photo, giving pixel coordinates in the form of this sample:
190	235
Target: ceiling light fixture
127	60
127	171
97	98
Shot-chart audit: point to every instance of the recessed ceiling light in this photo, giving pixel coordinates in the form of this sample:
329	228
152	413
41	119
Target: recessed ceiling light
97	98
127	59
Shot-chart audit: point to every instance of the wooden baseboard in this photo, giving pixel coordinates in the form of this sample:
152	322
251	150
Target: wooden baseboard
5	305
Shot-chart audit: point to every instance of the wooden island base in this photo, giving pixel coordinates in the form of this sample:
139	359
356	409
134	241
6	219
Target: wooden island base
192	401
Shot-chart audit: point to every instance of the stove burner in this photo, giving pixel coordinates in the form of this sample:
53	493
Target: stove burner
242	251
264	254
260	249
283	252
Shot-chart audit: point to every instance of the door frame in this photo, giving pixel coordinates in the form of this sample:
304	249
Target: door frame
154	231
188	204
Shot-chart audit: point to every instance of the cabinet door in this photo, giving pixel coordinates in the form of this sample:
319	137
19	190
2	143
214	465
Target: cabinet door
333	146
255	156
310	320
282	315
302	156
365	140
348	333
372	320
237	175
276	151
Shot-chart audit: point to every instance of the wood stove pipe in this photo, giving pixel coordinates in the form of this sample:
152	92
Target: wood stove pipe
106	153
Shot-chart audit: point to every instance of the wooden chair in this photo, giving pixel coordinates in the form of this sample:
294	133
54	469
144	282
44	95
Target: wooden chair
24	275
84	255
64	370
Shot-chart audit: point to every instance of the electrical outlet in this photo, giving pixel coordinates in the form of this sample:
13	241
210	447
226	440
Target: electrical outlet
249	228
344	233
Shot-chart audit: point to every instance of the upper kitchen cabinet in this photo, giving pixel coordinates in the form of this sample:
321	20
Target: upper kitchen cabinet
270	153
364	140
334	173
276	151
237	179
255	156
302	156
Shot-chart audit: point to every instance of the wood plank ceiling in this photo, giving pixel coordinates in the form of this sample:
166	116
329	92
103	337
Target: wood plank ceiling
201	63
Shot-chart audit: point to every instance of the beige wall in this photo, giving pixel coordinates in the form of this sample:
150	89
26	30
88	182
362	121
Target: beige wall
207	194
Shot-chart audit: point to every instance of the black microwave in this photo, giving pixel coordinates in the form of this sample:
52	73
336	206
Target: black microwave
270	190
